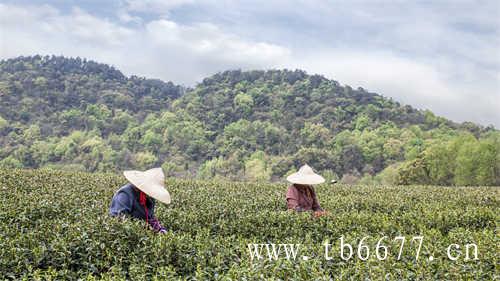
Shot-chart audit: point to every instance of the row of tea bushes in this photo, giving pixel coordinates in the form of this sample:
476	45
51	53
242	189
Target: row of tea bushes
54	226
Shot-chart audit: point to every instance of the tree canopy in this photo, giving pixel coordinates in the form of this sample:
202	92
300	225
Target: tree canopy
73	113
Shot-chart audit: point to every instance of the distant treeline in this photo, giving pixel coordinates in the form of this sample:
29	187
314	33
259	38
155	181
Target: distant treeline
71	113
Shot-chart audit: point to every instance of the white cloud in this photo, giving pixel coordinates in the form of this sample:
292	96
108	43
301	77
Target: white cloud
154	6
159	49
35	29
128	10
191	52
207	40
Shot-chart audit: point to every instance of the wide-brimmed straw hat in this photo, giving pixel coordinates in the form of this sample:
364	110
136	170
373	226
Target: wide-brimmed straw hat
151	182
305	175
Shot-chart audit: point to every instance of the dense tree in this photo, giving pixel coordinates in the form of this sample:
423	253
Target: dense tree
461	160
72	113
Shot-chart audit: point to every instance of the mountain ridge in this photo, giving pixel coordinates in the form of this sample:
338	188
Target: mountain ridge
256	125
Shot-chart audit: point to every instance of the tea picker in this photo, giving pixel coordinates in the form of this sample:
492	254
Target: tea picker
301	195
137	198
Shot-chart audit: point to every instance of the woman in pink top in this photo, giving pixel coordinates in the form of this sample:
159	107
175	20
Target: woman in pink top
301	195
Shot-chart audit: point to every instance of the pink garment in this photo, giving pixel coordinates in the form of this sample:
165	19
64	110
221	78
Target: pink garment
297	199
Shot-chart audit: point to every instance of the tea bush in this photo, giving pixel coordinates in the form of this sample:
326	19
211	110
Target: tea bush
54	225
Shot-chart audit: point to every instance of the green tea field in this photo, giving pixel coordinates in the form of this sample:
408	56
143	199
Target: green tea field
55	226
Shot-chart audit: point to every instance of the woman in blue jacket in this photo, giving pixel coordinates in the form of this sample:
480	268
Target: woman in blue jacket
137	198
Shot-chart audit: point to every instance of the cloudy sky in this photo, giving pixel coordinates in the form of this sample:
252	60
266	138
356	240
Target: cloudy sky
437	55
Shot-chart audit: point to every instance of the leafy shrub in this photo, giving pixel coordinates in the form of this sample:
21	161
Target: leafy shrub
54	225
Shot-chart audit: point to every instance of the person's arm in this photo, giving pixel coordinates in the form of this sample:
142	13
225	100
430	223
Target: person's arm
292	199
316	206
153	221
120	205
155	224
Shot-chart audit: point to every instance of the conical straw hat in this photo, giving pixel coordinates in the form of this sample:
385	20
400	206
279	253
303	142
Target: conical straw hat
151	182
305	175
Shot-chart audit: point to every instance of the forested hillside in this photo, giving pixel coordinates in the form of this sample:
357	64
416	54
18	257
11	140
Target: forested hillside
77	114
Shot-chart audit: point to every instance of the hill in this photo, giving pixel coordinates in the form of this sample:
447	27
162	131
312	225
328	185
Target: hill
71	113
210	241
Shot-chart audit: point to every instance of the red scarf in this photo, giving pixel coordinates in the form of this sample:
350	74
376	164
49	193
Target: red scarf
142	201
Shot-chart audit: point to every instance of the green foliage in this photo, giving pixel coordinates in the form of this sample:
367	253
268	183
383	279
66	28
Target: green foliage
145	159
244	103
58	111
315	135
439	159
10	162
3	123
55	227
170	169
466	163
216	168
389	176
152	140
362	122
462	160
256	168
414	171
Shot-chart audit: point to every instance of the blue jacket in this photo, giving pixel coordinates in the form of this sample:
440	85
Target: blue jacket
126	202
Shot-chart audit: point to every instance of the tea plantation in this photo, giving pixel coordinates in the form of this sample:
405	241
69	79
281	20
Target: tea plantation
54	225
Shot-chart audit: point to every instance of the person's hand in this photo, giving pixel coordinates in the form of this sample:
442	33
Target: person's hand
318	214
